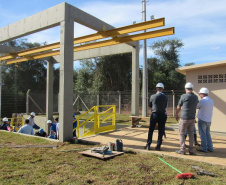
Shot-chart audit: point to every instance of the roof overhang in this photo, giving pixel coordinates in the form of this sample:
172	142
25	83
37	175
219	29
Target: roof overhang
184	70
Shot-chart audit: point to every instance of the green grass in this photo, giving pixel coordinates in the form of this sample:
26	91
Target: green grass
54	166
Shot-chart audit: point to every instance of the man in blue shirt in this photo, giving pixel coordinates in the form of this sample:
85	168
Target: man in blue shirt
74	125
204	116
26	129
52	129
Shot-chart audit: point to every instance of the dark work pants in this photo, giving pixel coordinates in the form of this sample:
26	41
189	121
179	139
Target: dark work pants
161	120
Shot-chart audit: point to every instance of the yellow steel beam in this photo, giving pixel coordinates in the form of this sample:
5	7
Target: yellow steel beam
119	40
114	41
96	36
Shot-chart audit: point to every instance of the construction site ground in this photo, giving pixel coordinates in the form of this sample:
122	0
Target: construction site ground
135	138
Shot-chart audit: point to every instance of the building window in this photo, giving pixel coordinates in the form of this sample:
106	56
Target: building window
221	78
210	78
199	79
216	78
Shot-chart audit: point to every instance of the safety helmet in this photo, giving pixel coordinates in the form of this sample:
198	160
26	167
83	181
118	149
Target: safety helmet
73	114
189	85
49	121
32	114
5	119
203	91
160	85
41	131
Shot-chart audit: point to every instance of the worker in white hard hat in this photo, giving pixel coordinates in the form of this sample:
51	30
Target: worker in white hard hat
187	105
5	125
158	104
204	116
52	129
31	121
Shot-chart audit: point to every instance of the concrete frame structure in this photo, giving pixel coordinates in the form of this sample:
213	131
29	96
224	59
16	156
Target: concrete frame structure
212	76
65	15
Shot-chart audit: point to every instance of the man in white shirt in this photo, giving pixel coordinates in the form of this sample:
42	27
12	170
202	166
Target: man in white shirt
31	121
26	129
204	116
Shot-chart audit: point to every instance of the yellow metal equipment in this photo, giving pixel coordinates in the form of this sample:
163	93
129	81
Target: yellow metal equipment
97	122
16	123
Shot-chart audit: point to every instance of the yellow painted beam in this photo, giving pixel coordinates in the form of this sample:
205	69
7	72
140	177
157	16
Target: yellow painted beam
114	41
119	40
99	35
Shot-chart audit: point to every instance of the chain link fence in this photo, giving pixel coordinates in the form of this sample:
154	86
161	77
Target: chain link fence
36	102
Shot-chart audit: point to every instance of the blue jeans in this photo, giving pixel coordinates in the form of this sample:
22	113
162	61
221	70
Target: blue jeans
204	132
161	120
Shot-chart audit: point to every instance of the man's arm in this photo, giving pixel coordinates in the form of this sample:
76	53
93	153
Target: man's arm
177	112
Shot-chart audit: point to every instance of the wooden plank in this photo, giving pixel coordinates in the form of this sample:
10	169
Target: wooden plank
108	155
29	146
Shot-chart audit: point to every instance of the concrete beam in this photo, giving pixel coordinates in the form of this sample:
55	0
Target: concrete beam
49	91
135	81
50	18
66	78
103	51
43	20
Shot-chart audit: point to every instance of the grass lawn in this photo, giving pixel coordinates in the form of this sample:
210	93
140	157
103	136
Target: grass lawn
54	166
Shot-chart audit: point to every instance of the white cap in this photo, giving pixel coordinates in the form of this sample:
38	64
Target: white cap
49	121
203	91
5	119
160	85
189	85
32	114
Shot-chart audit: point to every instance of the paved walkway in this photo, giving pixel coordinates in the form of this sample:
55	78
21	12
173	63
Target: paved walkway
136	138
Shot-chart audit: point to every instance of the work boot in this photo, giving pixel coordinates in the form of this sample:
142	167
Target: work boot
147	147
180	152
157	148
195	139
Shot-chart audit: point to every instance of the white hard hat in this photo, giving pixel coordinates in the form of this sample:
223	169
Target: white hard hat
49	121
203	91
189	85
160	85
5	119
32	114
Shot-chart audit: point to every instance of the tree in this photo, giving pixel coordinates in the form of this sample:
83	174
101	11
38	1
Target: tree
116	72
18	78
162	67
25	75
109	73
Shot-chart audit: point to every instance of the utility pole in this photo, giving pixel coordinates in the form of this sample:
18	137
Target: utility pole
145	74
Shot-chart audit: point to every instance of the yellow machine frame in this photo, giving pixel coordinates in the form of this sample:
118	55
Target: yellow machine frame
96	118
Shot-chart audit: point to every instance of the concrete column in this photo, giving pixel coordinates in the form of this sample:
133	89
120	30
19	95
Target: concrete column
119	102
66	78
49	91
135	81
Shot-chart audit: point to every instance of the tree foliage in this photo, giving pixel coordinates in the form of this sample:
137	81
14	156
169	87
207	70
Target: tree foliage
162	67
26	75
109	73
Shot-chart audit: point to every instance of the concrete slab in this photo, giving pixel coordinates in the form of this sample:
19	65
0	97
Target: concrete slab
135	138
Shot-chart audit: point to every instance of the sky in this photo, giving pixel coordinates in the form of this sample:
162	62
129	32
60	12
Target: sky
200	24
